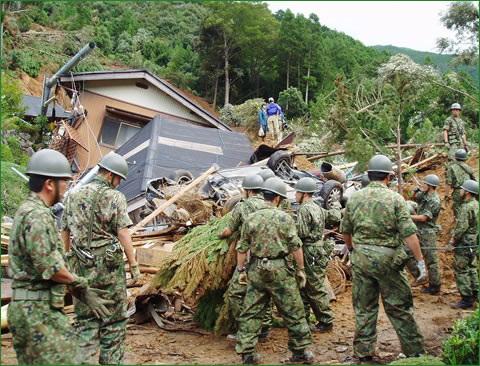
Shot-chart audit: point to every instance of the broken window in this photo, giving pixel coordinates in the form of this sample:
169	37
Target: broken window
116	132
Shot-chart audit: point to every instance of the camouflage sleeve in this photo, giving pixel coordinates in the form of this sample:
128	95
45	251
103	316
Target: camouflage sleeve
122	218
462	223
303	222
244	241
332	216
346	226
293	241
235	221
63	220
427	210
405	225
449	179
446	126
419	196
42	241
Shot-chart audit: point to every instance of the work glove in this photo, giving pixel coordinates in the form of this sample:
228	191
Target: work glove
416	189
91	296
337	205
450	247
423	271
135	272
301	277
243	278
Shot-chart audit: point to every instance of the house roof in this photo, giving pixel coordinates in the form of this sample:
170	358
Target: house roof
182	97
165	145
33	105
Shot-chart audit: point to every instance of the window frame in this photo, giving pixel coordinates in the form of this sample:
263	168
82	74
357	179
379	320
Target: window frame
121	122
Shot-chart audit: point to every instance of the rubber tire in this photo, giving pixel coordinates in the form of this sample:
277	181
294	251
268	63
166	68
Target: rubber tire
181	176
230	204
327	190
277	158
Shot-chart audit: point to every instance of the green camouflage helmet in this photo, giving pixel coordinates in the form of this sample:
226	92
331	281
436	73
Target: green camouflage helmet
456	106
115	163
253	181
380	163
460	155
49	163
266	173
470	186
306	185
365	180
275	185
432	180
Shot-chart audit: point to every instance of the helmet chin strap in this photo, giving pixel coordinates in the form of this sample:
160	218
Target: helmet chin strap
57	192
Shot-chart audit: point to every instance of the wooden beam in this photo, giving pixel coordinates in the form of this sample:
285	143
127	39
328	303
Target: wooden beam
174	199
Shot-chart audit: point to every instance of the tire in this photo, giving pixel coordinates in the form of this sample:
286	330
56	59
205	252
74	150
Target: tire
181	176
279	159
332	191
230	204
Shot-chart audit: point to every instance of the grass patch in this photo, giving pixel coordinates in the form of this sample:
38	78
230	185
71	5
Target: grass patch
14	188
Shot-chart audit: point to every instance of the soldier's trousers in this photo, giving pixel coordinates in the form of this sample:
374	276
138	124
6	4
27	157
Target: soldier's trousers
108	334
452	150
457	201
41	335
280	285
373	275
466	276
431	258
236	296
314	294
274	127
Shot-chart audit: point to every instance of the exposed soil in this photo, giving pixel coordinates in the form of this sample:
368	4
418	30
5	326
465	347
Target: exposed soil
147	344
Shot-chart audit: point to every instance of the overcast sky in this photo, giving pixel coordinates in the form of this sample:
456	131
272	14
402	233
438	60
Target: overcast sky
411	24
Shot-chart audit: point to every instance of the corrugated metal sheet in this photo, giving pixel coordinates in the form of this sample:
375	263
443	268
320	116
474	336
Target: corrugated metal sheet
152	97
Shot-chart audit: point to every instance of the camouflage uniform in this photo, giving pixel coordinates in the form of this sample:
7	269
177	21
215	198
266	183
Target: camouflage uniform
41	331
106	271
430	206
457	173
310	226
456	130
236	290
270	234
378	218
464	262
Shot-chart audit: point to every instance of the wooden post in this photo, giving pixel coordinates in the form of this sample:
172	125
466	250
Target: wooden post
184	190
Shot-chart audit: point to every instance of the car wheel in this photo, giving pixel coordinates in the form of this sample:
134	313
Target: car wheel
280	161
332	191
181	176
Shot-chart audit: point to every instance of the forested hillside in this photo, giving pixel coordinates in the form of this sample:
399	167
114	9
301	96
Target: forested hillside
236	55
441	61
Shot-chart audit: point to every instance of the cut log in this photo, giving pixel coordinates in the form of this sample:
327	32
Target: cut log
184	190
4	317
424	161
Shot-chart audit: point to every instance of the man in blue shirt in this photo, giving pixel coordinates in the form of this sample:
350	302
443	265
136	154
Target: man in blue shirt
262	120
273	113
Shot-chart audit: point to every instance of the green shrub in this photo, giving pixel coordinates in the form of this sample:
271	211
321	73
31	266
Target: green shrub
24	23
14	188
25	61
461	348
19	156
6	154
424	360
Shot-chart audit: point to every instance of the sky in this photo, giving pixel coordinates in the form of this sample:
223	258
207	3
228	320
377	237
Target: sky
411	24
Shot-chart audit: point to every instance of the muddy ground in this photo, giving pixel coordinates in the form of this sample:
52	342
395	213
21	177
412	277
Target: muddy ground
147	344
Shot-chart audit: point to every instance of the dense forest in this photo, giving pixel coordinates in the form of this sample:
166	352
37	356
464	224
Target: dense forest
237	54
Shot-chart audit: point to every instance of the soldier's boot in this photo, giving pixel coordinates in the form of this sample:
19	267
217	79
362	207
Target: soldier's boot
264	334
432	290
250	358
475	296
465	303
320	327
300	358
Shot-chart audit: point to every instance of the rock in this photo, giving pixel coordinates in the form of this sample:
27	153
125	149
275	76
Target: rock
7	220
341	349
29	151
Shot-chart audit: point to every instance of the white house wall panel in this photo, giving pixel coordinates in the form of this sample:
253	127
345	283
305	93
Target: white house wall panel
151	98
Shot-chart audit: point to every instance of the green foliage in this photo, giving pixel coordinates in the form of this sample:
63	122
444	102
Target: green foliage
14	188
461	348
243	115
293	99
12	100
6	154
19	156
24	23
208	309
424	360
24	60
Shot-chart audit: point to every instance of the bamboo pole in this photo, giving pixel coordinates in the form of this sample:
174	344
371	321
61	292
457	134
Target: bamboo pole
174	199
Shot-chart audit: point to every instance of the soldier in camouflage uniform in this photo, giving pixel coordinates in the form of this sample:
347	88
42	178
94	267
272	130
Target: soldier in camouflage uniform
311	220
465	234
270	235
96	217
41	331
457	173
454	132
374	220
429	207
237	290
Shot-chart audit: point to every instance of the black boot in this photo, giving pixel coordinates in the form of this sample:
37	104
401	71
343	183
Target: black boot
465	303
432	290
264	334
301	358
320	327
475	296
250	358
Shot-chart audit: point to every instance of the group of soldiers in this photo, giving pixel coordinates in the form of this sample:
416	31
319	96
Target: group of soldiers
281	260
95	234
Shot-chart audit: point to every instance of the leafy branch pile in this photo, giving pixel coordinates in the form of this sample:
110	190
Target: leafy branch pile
462	346
199	262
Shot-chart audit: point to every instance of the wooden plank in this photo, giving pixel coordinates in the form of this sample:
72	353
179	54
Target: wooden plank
153	255
425	161
5	239
174	199
6	289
